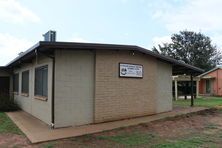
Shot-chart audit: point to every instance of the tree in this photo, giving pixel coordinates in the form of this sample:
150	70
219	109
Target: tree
192	48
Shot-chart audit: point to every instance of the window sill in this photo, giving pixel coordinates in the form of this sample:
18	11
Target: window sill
42	98
24	94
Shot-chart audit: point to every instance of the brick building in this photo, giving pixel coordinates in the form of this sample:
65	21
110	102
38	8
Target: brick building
211	82
70	84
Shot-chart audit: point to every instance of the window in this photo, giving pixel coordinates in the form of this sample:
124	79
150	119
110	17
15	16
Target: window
208	87
41	81
25	82
16	83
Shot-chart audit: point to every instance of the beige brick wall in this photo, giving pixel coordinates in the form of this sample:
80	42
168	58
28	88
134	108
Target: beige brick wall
163	87
74	87
38	108
119	98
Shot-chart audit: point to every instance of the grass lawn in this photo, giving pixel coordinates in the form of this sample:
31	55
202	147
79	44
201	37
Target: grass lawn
7	126
202	101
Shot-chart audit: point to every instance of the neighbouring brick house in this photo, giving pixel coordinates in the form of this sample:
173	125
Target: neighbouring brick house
211	82
71	84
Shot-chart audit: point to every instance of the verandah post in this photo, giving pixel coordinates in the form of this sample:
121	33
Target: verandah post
191	79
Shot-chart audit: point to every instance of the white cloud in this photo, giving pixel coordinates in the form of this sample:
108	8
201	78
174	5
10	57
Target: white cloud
160	40
216	39
197	15
193	15
11	46
12	11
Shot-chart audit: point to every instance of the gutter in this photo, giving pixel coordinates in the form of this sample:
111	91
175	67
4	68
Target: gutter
33	48
53	92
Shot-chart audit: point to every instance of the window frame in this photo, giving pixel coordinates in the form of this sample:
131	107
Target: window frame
41	96
22	83
17	91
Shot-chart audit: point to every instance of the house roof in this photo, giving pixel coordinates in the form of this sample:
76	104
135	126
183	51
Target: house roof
3	68
43	46
203	74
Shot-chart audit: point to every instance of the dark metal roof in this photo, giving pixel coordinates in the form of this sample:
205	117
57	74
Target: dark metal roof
3	68
42	46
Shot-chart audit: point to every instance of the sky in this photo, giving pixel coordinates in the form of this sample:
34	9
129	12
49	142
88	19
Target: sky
145	23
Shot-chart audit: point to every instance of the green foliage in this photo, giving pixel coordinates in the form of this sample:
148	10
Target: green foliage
132	139
192	142
192	48
7	126
204	101
7	104
49	145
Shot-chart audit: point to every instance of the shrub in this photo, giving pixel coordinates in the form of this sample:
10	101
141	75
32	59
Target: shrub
7	103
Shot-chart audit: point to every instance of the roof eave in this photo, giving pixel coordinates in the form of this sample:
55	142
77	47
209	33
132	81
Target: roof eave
57	45
23	54
203	74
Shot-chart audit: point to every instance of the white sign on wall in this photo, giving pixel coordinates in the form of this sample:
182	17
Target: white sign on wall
130	70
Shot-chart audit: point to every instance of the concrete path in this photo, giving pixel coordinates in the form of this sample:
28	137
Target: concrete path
37	131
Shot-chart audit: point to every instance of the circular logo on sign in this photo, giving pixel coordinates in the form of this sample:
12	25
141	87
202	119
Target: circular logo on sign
123	71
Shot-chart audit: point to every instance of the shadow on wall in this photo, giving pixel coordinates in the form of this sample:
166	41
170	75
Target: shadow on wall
7	103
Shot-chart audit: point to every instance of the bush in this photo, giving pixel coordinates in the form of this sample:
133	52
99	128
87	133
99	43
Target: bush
7	104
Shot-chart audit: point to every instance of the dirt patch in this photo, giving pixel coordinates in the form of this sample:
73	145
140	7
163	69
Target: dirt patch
86	141
13	140
179	126
170	127
176	128
166	129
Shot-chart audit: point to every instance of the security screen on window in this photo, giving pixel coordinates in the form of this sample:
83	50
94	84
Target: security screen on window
41	81
25	82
